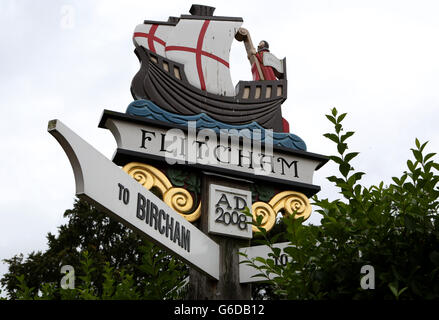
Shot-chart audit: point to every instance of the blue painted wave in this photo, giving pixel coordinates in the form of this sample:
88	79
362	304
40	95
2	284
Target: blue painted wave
147	109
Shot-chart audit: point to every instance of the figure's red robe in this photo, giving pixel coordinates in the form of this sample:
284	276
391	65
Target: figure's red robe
268	73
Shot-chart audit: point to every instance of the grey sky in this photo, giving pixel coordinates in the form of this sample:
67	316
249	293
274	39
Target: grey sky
376	60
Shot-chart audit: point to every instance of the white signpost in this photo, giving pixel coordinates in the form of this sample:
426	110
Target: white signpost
225	152
247	273
105	184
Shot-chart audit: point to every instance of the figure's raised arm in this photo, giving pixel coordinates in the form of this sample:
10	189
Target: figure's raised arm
244	35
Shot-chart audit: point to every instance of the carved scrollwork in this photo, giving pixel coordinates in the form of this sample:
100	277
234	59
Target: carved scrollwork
287	202
148	176
291	201
181	201
178	199
268	215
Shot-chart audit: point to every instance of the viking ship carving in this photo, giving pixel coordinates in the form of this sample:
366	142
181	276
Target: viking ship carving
185	70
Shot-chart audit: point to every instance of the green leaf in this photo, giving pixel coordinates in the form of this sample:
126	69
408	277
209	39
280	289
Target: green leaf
260	259
332	137
423	146
270	263
403	178
394	289
359	175
334	112
428	156
341	147
341	117
418	155
352	180
338	128
276	251
418	145
335	179
331	118
347	135
357	190
344	169
410	165
349	156
397	181
336	159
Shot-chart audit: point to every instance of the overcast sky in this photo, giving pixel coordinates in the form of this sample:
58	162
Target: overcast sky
376	60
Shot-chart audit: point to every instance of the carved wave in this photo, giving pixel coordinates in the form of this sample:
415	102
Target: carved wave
149	110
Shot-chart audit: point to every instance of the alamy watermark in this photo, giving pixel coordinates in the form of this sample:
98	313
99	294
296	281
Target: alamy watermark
244	148
367	281
68	280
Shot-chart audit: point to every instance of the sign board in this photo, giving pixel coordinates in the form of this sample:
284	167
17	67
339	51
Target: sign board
100	181
247	273
209	151
225	211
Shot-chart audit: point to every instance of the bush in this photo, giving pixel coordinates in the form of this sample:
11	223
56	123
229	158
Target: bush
118	284
392	228
110	261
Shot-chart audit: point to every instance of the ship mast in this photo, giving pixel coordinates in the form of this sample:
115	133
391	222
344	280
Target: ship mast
244	35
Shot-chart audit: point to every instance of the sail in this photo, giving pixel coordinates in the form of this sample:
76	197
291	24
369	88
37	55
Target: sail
203	46
152	37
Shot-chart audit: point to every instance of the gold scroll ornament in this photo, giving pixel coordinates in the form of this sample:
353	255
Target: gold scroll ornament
288	202
178	199
181	200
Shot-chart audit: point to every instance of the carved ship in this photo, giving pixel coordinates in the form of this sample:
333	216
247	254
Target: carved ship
185	70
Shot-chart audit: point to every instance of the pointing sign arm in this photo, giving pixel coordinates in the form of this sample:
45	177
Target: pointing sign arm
103	183
248	273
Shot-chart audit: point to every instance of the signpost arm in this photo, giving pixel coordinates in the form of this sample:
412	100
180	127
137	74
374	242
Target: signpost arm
101	182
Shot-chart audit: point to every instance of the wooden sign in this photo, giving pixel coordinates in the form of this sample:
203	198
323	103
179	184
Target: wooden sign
172	144
225	211
104	184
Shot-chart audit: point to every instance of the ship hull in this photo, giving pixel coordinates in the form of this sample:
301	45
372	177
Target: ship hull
164	82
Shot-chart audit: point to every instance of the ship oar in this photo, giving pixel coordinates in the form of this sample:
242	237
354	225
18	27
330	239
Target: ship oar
244	35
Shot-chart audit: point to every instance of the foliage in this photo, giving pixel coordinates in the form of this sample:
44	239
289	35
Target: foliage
262	192
392	228
189	180
118	284
110	262
182	178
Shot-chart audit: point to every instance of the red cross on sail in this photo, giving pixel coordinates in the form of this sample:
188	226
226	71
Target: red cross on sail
152	37
203	46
